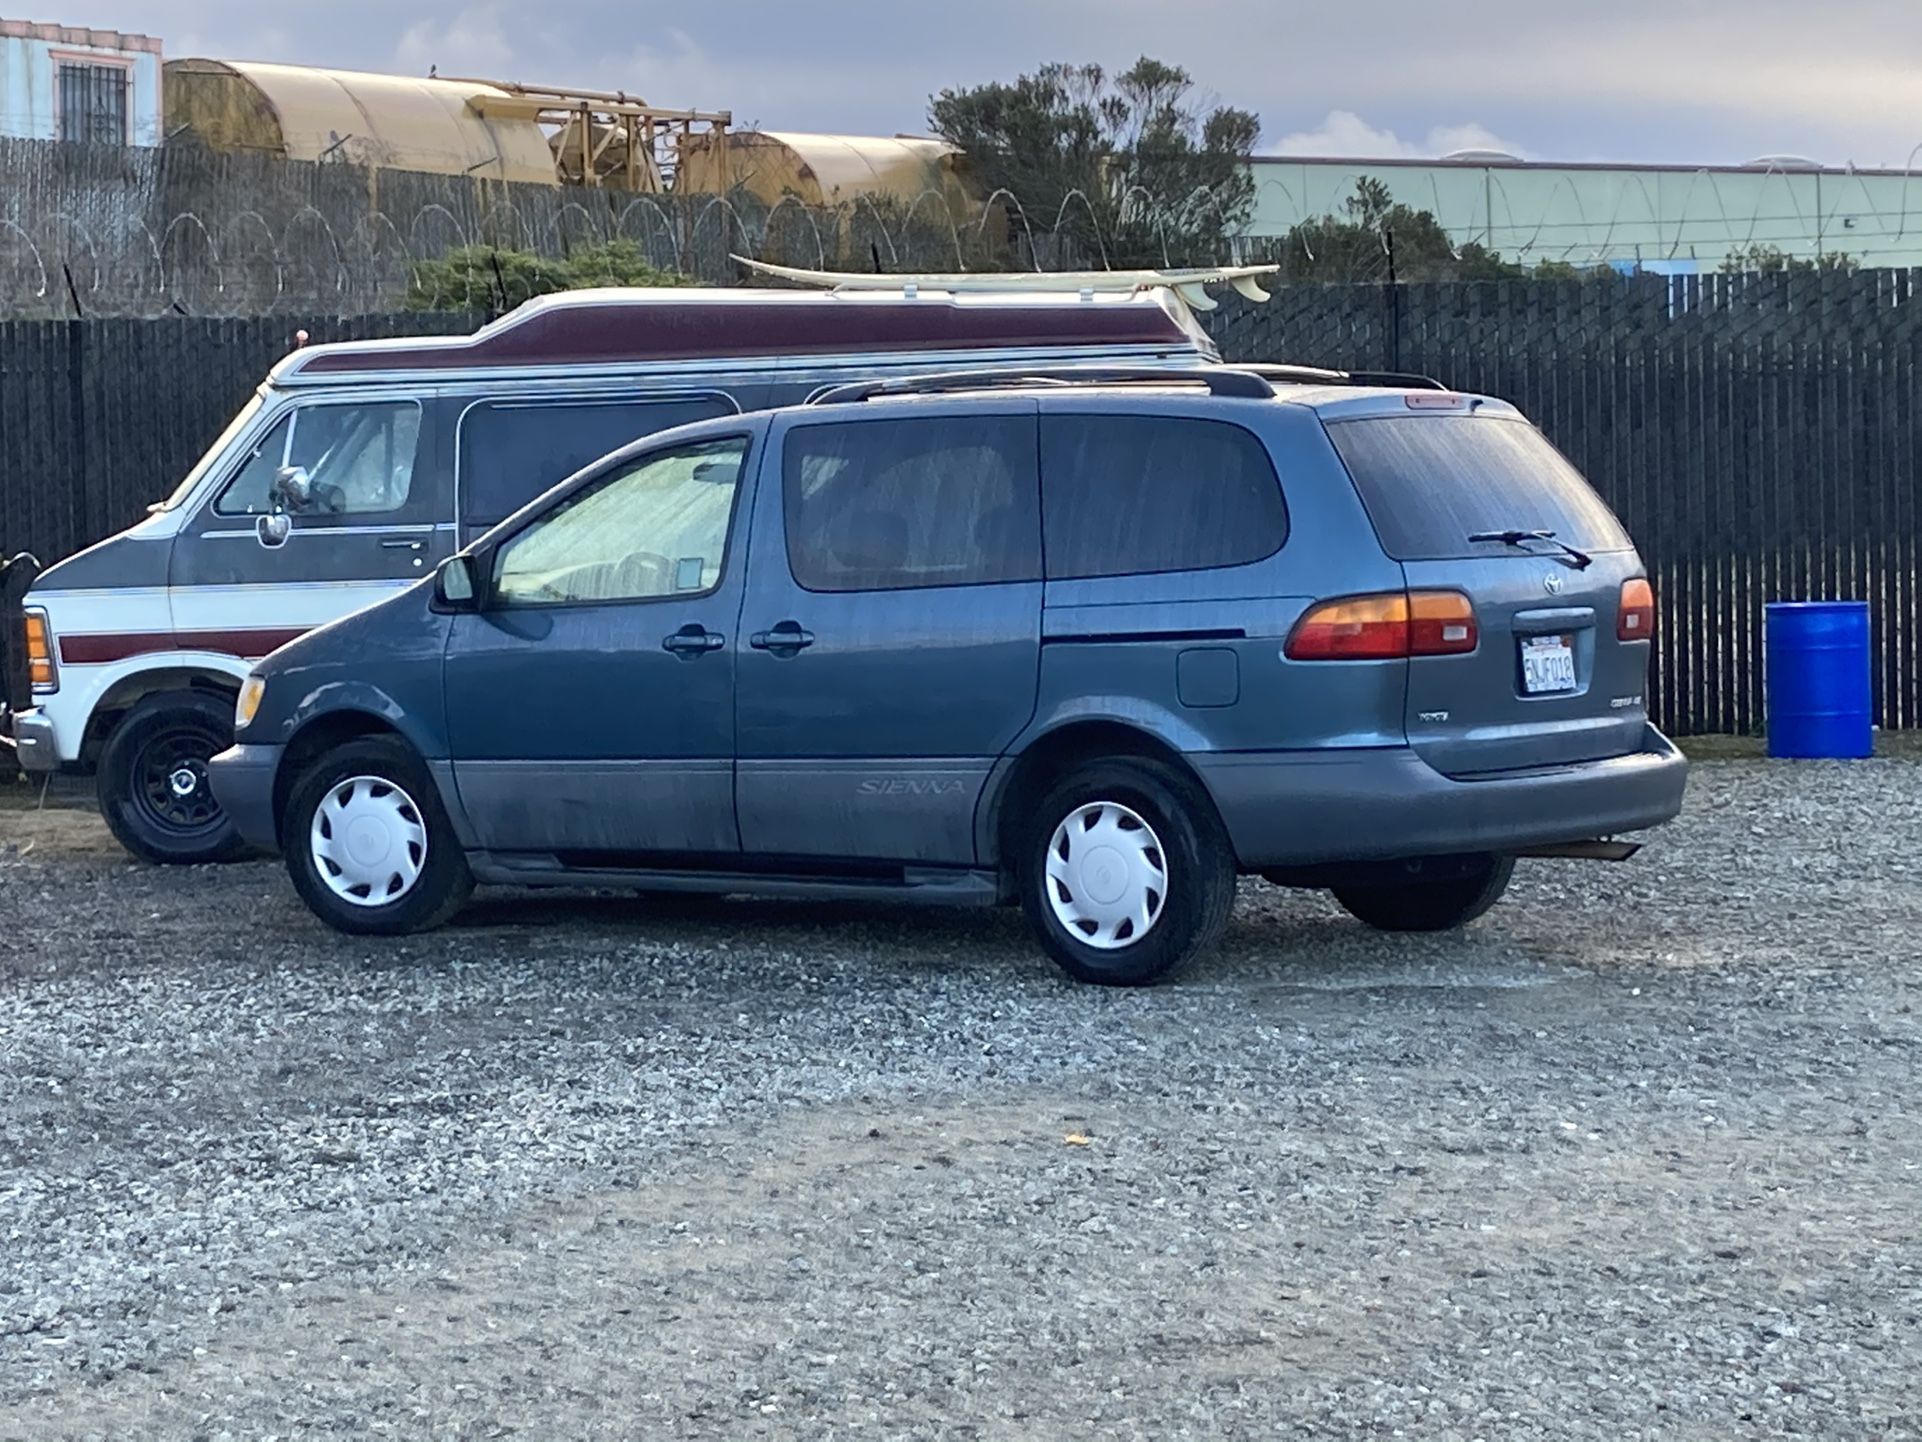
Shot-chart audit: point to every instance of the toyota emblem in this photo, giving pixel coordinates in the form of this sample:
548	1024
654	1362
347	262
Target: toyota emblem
1552	583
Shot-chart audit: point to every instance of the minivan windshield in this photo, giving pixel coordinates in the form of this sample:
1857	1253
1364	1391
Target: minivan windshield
214	453
1431	482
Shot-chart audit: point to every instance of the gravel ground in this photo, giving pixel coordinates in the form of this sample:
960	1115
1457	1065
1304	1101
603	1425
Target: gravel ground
1637	1156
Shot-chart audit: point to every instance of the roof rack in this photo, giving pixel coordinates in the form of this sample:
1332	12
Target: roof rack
1220	381
1190	284
1316	376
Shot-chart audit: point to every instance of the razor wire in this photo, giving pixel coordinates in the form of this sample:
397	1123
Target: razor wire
106	231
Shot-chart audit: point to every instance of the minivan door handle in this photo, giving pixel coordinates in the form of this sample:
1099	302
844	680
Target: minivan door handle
693	640
402	545
786	639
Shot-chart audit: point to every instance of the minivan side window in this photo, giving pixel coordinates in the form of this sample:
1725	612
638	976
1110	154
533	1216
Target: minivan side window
654	528
514	450
898	504
1133	495
359	460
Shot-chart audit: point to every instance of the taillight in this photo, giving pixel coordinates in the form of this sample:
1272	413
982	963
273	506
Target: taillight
1636	619
1440	623
1386	628
40	671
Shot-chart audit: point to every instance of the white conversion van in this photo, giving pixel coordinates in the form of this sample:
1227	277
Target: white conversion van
356	468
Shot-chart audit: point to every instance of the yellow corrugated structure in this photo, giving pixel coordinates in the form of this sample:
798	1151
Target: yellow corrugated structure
388	122
824	170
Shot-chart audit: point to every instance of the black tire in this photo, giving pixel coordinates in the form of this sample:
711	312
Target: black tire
444	882
1429	905
1196	858
152	781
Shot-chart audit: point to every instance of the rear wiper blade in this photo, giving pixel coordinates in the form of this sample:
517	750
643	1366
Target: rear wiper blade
1580	560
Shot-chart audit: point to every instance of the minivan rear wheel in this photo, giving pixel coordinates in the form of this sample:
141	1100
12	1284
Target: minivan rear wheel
1430	905
368	844
1125	873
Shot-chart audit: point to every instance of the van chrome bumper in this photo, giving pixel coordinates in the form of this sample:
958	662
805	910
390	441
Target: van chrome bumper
1304	808
32	739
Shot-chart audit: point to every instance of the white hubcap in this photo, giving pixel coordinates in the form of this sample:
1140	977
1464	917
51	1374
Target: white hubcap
1107	875
368	841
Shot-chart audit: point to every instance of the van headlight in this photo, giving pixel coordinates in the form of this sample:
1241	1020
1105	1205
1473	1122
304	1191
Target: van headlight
251	690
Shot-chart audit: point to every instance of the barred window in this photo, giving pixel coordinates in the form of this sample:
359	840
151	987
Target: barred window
93	103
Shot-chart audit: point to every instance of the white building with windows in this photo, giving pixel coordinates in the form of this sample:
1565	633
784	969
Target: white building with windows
68	82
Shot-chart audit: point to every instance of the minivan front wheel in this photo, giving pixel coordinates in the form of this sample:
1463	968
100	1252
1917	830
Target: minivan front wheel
1430	905
1125	875
368	844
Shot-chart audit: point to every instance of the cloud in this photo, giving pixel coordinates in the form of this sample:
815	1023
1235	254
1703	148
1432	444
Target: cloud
473	42
1346	134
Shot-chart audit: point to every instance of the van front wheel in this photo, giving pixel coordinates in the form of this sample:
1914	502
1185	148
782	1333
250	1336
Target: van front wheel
153	780
369	846
1430	905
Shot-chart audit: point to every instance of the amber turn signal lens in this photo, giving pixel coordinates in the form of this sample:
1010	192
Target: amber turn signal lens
1635	621
39	652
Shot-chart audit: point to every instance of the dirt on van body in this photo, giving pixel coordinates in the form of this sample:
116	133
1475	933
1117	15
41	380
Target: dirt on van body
1636	1156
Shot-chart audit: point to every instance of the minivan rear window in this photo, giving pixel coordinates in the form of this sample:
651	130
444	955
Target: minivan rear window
1430	482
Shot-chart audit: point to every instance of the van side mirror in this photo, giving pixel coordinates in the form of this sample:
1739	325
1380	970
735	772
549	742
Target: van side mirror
454	587
273	529
293	487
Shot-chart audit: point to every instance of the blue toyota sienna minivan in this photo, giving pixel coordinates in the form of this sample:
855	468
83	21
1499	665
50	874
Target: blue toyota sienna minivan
1096	643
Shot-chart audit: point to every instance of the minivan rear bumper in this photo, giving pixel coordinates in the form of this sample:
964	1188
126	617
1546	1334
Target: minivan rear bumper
1303	808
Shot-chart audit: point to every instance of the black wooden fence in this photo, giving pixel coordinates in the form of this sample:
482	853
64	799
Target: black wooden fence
1758	434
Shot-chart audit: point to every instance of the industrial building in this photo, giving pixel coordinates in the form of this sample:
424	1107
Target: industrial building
1671	218
68	82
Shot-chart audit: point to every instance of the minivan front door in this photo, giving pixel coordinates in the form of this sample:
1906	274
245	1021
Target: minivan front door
891	637
590	703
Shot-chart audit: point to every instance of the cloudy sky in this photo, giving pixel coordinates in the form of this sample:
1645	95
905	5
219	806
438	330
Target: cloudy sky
1718	81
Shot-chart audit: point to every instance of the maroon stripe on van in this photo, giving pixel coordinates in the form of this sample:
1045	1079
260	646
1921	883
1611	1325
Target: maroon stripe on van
101	650
661	330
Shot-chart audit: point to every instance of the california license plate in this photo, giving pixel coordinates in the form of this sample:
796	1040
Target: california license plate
1548	665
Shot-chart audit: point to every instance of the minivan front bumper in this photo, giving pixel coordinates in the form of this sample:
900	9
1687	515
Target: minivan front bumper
1305	808
242	778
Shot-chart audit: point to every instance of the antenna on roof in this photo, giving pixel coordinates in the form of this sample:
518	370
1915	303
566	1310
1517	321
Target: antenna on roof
1190	284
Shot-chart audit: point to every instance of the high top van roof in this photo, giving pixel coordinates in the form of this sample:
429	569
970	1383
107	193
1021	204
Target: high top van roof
642	329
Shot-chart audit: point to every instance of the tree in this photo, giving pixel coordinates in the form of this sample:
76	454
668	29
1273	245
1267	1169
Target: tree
1759	259
1377	236
487	278
1126	170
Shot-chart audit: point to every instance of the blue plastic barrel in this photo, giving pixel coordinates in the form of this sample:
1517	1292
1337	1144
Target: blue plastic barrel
1818	679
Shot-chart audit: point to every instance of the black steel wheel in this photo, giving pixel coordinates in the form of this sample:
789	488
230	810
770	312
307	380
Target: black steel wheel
153	783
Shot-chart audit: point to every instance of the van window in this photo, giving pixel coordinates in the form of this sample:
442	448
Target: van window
1431	482
359	460
655	528
1132	495
513	451
896	504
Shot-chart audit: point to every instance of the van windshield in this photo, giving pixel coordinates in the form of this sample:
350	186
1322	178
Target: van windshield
214	452
1431	482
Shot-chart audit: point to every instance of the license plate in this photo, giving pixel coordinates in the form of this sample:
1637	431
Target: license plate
1548	665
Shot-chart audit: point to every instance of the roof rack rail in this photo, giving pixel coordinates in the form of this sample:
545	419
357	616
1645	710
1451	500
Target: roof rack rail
1189	283
1220	381
1316	376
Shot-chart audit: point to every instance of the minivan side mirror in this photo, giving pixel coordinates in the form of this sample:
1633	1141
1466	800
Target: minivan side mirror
454	584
